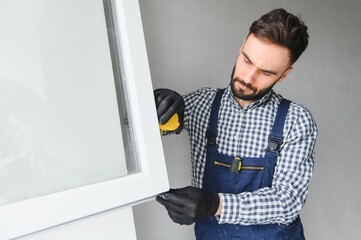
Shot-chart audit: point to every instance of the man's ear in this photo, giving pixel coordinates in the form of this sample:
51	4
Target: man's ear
284	75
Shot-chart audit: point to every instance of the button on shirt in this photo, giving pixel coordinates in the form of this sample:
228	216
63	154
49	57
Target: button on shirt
243	132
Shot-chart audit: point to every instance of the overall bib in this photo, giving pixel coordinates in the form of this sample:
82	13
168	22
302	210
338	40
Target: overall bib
230	174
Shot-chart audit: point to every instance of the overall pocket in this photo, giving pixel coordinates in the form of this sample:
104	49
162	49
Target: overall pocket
237	175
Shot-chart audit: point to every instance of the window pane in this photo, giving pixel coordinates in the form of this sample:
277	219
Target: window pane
64	120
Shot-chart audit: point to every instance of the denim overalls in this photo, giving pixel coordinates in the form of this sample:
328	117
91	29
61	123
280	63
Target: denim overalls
229	174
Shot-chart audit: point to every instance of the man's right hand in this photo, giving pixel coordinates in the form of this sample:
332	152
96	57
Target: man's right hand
168	103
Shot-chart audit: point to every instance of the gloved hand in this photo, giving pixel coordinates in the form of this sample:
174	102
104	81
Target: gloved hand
187	205
168	103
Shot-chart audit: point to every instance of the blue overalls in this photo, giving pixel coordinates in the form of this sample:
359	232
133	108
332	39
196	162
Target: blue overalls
229	174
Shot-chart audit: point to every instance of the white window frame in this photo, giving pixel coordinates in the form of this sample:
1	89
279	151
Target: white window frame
39	213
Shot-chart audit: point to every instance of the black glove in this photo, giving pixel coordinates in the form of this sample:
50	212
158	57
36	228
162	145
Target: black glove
168	103
187	205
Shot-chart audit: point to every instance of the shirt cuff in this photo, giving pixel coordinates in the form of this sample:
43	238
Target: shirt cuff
230	206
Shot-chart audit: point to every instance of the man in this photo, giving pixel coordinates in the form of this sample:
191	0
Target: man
252	150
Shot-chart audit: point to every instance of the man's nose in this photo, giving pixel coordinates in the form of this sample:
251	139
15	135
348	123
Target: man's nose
251	75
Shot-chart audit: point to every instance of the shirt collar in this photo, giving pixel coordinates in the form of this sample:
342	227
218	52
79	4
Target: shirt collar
253	105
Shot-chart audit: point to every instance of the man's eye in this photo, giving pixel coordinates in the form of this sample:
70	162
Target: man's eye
246	60
266	73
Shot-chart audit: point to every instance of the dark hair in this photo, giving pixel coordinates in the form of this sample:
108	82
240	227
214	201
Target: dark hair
282	28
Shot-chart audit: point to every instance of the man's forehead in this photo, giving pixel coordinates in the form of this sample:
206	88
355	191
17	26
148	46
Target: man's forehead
266	54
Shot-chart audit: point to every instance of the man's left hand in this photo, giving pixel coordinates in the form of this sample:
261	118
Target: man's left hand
187	205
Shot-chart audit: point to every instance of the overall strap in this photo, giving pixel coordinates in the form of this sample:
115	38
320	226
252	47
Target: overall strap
275	138
212	132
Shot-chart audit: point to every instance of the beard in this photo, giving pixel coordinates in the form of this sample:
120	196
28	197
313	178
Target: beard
241	94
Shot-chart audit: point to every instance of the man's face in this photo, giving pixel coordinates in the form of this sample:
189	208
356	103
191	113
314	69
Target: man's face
260	65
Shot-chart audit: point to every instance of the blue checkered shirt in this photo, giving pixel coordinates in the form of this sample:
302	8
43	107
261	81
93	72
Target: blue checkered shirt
244	132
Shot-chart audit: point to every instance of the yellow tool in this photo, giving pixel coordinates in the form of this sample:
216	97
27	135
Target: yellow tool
171	125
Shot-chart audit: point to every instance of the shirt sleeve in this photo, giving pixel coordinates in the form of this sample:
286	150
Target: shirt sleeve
282	202
201	97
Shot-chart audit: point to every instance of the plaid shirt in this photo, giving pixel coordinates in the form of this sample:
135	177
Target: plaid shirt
244	132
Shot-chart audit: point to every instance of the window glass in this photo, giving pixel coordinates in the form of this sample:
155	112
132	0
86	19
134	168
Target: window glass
64	120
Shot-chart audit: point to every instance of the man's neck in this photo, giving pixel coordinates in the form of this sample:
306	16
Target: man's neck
243	103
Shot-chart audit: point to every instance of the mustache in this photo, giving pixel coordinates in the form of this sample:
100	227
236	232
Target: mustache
248	85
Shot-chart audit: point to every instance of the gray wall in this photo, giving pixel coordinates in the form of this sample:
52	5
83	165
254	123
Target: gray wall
194	43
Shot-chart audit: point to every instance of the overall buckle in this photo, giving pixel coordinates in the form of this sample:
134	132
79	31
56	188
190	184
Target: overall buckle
274	144
211	138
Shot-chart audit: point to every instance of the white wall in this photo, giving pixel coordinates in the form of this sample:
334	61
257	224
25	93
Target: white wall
192	44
